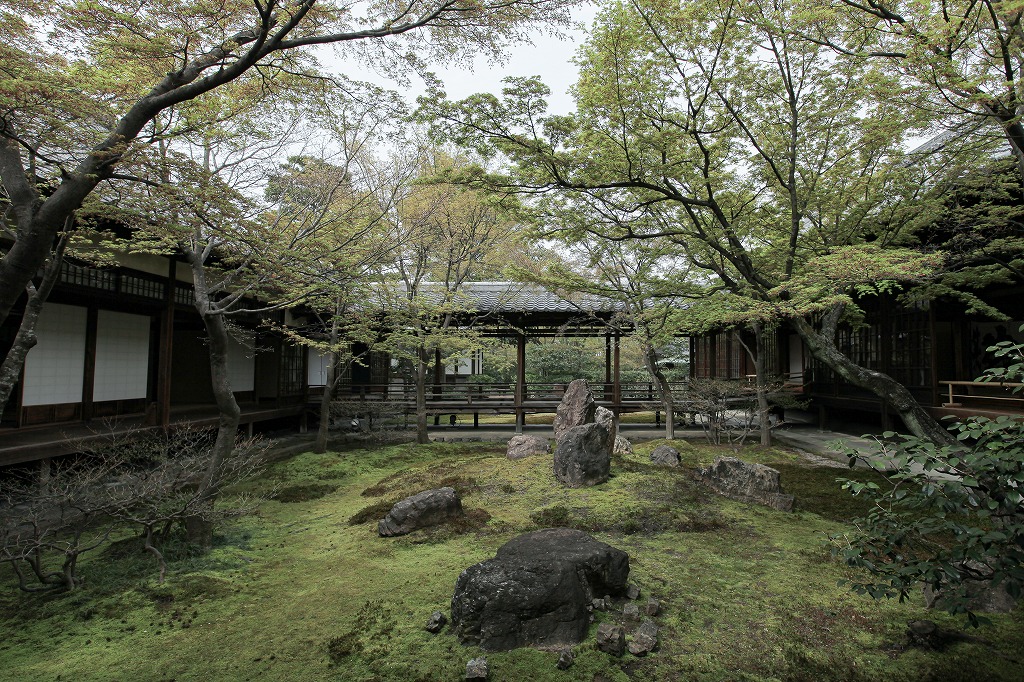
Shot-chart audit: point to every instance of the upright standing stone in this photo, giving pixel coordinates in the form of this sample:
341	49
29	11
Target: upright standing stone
583	456
622	446
577	407
606	418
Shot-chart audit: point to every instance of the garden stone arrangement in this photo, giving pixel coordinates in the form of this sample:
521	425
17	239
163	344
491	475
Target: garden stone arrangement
739	480
585	435
537	590
427	508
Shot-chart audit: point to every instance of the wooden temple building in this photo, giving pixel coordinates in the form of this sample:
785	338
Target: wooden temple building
123	349
935	349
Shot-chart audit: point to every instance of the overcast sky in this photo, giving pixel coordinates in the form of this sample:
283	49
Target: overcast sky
548	57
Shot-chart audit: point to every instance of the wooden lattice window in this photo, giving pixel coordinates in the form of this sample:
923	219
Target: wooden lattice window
292	369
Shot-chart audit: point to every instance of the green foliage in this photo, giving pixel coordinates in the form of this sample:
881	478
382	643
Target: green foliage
948	517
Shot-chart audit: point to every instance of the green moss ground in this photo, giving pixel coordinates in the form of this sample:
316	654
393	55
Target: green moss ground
305	590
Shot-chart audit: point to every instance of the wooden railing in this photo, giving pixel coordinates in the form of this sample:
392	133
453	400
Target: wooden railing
633	395
1007	396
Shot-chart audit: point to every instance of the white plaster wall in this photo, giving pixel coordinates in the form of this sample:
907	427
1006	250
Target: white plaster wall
316	374
55	367
241	364
122	356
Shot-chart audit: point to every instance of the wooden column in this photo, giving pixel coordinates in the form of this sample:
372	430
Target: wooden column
89	371
520	382
933	365
438	382
617	385
164	361
607	391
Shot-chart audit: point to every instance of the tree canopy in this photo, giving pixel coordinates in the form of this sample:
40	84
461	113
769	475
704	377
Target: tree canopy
770	160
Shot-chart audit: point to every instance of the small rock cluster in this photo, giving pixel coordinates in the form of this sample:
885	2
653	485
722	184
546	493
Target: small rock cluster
643	636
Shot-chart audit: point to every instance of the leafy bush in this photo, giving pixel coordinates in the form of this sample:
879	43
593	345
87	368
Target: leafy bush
949	517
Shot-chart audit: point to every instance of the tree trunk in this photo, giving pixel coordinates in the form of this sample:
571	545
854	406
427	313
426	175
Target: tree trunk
333	375
761	385
756	355
198	528
25	339
421	397
822	346
664	390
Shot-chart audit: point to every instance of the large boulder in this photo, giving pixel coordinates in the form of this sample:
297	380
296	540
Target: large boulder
536	590
577	407
746	482
428	508
583	455
526	446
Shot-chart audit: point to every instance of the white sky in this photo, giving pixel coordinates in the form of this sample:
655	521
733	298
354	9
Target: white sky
548	57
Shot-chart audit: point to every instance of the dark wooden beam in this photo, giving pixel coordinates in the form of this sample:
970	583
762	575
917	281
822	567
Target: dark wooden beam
89	371
520	382
165	363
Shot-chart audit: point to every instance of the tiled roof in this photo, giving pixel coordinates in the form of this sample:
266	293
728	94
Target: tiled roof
513	297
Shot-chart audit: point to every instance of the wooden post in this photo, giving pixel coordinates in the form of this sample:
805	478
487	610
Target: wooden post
520	382
617	384
89	371
438	382
607	366
165	359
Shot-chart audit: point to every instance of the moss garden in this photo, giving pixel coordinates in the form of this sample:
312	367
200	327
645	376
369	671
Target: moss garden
305	590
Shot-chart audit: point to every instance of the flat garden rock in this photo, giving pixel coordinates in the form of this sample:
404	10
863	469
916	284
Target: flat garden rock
739	480
980	595
437	622
577	407
428	508
536	590
665	455
521	446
